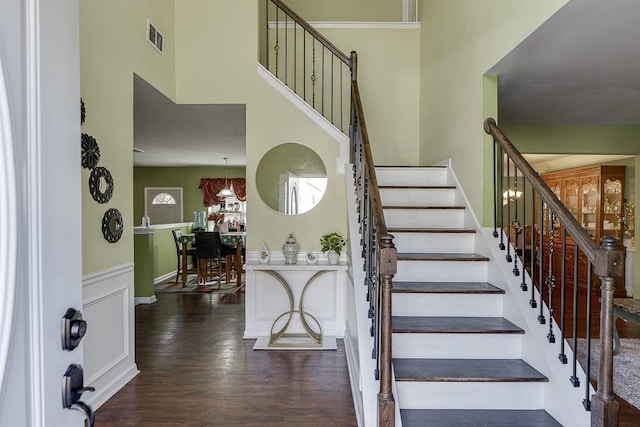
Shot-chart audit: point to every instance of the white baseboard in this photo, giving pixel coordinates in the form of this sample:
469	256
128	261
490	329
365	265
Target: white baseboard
354	379
102	394
169	275
145	300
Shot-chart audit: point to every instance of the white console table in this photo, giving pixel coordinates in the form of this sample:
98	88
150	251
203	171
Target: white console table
295	305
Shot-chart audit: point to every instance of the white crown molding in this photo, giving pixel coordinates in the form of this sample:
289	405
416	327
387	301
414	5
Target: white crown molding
348	25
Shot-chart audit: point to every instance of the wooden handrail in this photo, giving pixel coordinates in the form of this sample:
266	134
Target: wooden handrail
588	246
304	24
607	261
378	213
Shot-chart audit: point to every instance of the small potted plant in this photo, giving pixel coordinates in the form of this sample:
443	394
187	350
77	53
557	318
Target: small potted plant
332	243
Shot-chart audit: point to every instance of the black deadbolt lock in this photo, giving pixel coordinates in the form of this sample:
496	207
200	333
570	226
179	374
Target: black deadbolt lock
73	329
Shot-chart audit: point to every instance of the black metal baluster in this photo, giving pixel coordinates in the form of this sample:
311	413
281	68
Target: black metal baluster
562	356
574	327
304	64
508	200
286	49
515	224
341	96
323	54
295	57
495	191
266	46
550	281
539	256
332	86
501	181
587	402
313	73
523	284
534	242
276	47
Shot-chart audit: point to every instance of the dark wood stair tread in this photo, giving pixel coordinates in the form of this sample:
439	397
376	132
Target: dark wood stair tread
466	370
430	230
446	288
433	256
477	417
459	325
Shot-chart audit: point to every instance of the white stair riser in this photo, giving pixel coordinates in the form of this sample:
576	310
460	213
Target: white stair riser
457	346
411	176
435	242
417	197
442	271
482	395
463	305
428	218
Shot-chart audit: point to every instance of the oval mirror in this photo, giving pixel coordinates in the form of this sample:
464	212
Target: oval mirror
291	178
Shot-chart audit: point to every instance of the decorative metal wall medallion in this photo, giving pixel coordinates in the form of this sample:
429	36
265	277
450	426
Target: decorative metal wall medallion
101	184
112	225
90	151
83	111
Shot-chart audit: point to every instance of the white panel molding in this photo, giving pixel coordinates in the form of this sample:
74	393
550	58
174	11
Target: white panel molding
124	296
354	377
99	290
94	278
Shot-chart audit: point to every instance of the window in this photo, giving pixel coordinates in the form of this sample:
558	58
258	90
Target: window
163	204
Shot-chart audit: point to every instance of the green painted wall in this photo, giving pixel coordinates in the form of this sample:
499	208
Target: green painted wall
144	271
348	10
454	59
187	178
228	75
113	47
556	139
164	251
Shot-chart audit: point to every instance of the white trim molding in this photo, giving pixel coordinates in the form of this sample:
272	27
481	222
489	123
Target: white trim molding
8	225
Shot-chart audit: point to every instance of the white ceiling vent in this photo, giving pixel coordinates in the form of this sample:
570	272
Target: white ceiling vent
155	37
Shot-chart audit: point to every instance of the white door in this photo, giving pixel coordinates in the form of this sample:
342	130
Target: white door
40	198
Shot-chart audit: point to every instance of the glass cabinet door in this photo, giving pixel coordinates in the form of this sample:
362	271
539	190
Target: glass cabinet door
572	197
590	205
612	209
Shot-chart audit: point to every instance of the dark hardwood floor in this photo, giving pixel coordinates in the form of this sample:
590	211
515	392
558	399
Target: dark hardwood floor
196	370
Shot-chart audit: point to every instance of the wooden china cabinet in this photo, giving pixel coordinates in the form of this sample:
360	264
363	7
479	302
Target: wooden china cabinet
595	197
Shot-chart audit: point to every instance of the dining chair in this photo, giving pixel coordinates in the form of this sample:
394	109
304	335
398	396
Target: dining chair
177	237
212	255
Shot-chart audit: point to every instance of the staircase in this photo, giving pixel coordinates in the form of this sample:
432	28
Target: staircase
457	361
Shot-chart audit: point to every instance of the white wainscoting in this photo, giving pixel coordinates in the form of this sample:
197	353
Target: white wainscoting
109	345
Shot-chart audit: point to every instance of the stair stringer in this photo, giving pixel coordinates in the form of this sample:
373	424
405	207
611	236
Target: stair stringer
561	399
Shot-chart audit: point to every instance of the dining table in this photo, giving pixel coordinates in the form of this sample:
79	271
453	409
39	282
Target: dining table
235	239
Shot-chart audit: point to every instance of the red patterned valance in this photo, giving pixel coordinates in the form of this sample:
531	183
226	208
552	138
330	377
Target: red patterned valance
212	186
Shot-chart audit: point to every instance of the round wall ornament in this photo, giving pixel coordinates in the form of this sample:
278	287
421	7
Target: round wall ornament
83	111
90	151
112	225
101	184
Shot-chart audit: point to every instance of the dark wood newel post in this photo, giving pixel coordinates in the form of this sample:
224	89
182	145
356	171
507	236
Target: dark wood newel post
388	268
608	265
